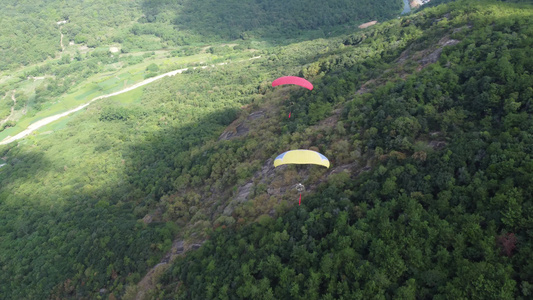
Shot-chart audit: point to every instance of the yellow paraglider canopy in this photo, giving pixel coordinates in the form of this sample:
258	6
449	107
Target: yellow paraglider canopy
301	157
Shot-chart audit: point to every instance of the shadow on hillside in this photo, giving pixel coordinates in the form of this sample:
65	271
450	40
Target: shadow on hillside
19	167
51	240
277	20
154	165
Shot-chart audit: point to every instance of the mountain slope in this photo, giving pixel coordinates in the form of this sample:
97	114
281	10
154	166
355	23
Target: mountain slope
77	214
445	148
31	30
445	210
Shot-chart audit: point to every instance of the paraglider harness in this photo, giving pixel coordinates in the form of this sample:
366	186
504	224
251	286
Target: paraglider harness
290	109
300	188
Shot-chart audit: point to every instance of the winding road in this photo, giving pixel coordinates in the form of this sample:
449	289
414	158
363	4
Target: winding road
53	118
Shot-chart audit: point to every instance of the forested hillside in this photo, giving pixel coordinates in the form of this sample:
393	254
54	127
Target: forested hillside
58	55
30	30
282	21
444	212
91	202
425	119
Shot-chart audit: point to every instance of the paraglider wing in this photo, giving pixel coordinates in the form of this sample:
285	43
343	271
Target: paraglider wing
293	80
301	157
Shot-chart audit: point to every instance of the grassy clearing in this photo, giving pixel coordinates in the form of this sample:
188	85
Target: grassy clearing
8	79
55	126
10	132
131	97
29	86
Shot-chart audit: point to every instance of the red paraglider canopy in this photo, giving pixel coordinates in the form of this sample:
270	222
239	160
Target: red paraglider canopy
293	80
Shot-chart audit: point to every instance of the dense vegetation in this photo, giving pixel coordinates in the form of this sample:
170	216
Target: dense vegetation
115	165
30	31
449	219
50	49
273	19
444	211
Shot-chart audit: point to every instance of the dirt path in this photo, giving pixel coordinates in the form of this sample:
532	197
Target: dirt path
14	104
51	119
61	41
12	108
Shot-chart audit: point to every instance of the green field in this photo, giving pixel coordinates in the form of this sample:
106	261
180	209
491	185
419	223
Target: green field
100	84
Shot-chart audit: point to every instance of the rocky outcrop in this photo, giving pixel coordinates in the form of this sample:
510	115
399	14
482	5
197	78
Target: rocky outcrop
240	128
179	247
367	24
437	145
263	176
427	56
243	192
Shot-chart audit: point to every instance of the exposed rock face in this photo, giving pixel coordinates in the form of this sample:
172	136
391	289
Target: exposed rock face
435	55
427	56
263	176
243	192
368	24
154	216
431	58
332	120
267	171
179	247
448	42
148	282
240	128
147	219
365	87
345	168
423	57
437	145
